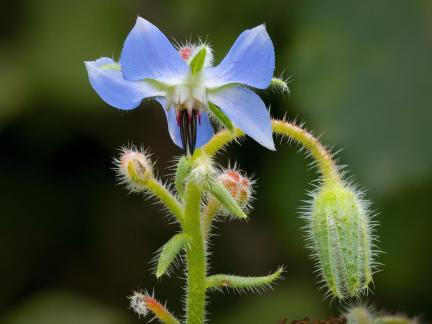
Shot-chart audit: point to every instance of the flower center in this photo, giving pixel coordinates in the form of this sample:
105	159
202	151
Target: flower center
189	99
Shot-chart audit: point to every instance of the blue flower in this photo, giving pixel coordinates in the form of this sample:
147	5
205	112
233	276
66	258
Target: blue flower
150	67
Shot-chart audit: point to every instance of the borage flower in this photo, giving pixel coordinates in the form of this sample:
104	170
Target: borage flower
187	86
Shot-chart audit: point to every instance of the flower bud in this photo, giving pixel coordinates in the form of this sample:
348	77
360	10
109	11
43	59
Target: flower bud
134	169
202	171
138	304
340	234
359	315
143	303
239	186
190	50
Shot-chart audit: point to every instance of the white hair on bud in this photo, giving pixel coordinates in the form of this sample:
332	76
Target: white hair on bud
143	165
137	303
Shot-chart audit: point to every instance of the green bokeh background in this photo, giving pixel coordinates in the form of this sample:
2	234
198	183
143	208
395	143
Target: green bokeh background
73	244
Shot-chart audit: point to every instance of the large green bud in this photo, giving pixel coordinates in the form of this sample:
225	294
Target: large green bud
339	231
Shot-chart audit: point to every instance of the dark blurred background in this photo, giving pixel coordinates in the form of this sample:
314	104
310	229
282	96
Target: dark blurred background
74	244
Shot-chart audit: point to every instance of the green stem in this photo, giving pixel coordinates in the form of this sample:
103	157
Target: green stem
195	257
325	163
323	158
159	190
209	215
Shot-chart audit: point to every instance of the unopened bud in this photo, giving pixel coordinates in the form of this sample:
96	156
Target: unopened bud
134	169
189	51
202	171
239	186
340	234
137	303
143	303
359	315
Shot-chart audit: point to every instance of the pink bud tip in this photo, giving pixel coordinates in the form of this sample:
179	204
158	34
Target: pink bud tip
239	186
185	52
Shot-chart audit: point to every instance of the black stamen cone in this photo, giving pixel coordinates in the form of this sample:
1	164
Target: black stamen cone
188	131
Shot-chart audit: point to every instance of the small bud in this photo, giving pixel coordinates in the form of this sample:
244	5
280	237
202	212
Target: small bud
134	169
359	315
138	304
239	186
340	234
202	171
185	52
188	52
143	303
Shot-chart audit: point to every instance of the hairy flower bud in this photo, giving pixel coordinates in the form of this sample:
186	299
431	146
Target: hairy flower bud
202	171
239	186
339	231
134	169
138	304
189	50
359	315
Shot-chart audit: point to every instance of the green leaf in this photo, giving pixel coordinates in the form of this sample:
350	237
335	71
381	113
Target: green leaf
169	252
221	281
197	62
183	170
218	190
221	116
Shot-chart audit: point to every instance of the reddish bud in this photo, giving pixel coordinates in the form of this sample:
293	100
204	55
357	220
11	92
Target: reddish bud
239	186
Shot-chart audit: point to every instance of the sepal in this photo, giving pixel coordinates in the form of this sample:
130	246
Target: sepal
221	117
182	172
198	60
217	189
169	252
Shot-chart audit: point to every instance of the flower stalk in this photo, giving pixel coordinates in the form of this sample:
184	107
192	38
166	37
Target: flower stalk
196	262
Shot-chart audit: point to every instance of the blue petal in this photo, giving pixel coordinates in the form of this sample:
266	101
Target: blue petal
173	128
250	61
204	130
247	111
107	80
147	53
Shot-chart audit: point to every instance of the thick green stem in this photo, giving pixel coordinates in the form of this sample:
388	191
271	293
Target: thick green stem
195	257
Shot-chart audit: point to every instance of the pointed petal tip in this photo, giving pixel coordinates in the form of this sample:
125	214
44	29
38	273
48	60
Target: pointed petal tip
270	146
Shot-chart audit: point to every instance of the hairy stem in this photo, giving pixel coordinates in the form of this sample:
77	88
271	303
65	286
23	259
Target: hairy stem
195	257
323	158
209	213
158	190
167	198
221	139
